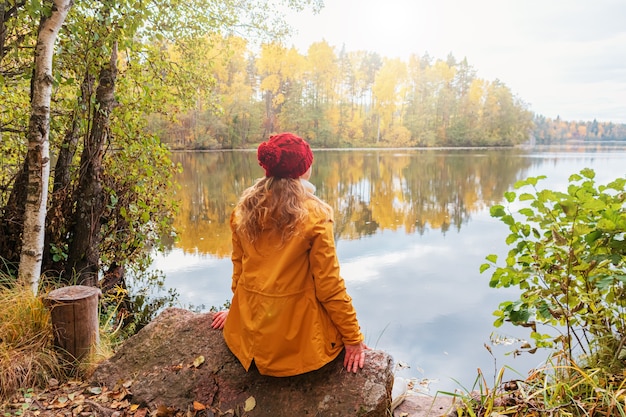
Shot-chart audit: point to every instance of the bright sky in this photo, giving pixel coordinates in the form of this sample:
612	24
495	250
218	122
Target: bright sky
562	57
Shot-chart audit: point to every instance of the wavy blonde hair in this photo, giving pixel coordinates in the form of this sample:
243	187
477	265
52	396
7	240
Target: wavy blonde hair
275	204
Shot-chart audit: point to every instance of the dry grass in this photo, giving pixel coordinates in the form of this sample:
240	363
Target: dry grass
27	357
559	389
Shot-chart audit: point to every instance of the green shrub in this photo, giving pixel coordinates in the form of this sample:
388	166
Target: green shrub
567	256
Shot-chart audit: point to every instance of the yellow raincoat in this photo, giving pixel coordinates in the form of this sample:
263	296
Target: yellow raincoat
290	311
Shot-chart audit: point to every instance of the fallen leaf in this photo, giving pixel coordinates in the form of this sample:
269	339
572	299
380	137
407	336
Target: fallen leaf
198	406
141	412
163	411
60	402
119	395
133	407
78	396
95	390
249	404
198	361
120	404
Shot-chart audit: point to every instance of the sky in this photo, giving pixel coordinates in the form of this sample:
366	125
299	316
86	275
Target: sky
563	58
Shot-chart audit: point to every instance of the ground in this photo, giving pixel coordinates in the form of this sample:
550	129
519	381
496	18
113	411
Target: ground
76	398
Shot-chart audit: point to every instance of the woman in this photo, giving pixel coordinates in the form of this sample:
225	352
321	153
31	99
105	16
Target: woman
290	311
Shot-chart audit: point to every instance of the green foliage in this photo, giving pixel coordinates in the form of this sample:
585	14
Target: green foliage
127	309
567	256
139	211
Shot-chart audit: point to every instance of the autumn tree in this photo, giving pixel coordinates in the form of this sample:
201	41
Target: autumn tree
418	114
320	94
278	67
463	124
236	85
389	91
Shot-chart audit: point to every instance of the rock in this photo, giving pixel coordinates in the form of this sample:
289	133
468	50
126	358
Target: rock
179	361
426	406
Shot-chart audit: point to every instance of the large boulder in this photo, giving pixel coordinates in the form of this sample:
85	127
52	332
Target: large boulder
178	361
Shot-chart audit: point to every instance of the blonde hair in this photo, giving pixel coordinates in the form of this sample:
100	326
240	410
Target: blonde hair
277	205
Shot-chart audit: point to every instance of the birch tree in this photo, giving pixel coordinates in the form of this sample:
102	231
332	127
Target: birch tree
38	156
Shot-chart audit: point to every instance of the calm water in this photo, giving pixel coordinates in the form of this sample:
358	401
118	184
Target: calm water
412	228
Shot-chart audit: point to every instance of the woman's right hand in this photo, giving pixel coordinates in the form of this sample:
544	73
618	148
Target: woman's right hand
219	319
355	357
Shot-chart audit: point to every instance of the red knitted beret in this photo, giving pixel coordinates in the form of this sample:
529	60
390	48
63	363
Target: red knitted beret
285	156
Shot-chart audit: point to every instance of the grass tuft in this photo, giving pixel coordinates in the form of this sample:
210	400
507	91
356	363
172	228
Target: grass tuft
559	388
27	357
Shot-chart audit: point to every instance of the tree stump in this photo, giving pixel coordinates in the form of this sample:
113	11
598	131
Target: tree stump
74	313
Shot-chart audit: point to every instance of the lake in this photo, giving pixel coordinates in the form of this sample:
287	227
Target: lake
412	228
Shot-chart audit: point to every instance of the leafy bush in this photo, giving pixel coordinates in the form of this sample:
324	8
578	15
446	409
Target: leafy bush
567	256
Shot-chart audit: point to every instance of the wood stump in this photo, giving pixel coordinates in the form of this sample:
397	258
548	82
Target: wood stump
74	312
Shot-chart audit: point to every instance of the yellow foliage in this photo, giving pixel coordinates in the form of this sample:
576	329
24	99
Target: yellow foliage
355	127
323	71
390	78
399	136
443	71
333	117
278	100
271	58
476	91
271	83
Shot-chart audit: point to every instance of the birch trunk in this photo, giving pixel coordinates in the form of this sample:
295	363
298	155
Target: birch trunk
38	156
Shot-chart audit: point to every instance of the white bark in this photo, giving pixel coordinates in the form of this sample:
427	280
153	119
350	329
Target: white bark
38	147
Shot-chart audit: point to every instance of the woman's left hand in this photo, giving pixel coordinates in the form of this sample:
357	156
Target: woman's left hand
355	357
219	319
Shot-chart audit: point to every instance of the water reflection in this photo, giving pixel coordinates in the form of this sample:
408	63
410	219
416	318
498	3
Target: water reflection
370	191
412	229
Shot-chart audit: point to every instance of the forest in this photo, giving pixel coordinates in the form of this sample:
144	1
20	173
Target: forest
339	98
547	131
